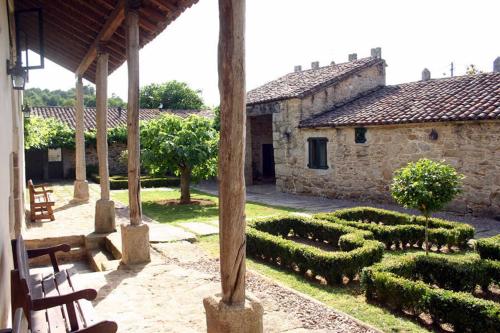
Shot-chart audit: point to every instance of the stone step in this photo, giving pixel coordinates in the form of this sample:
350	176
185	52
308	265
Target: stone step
113	243
99	260
73	241
95	241
77	253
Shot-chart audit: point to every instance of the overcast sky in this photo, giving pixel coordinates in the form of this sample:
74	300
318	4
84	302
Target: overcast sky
284	33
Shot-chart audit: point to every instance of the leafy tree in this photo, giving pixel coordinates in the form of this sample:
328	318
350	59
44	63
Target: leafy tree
188	147
217	118
427	186
47	133
472	70
170	95
45	97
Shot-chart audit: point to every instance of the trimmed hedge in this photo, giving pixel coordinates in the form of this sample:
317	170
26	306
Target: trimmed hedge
266	239
401	230
489	248
121	182
420	284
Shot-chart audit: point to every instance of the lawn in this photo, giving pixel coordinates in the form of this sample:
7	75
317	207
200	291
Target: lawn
191	213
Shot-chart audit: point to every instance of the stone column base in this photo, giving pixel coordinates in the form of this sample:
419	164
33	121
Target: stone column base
104	216
81	190
223	318
135	244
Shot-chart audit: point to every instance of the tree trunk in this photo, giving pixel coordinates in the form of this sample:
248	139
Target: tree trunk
185	181
426	235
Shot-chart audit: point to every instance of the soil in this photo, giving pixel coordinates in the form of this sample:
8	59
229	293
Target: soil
195	202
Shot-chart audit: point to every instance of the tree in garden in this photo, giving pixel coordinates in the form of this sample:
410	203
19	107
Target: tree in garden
40	133
170	95
186	146
426	186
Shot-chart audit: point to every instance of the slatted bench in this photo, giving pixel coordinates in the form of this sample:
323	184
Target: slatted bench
52	303
41	202
16	323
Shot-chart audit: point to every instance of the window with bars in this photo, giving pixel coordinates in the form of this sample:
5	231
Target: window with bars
360	135
317	153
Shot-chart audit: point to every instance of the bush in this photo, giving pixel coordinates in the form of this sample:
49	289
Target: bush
489	248
266	239
121	182
401	229
417	284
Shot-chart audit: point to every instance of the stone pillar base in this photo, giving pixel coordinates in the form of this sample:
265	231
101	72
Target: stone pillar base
223	318
104	216
81	190
135	244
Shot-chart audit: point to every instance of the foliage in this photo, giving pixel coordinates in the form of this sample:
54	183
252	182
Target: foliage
489	248
187	147
217	118
472	70
266	238
416	284
399	229
44	97
121	182
170	95
427	186
42	133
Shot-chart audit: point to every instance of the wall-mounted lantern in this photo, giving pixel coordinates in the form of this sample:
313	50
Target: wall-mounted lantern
19	75
26	111
433	135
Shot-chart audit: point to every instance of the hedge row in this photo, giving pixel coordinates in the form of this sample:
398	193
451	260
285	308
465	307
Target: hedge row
402	230
121	183
266	238
419	284
489	248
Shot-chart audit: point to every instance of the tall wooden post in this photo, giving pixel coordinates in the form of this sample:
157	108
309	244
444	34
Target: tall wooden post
105	208
81	186
234	311
135	237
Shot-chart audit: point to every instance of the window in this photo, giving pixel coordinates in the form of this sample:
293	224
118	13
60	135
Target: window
360	135
317	153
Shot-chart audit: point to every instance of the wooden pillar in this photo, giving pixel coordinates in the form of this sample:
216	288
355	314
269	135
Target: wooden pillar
105	209
135	237
234	311
81	187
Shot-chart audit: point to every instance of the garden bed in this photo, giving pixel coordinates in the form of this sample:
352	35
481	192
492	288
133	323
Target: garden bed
273	239
402	230
119	182
440	286
489	248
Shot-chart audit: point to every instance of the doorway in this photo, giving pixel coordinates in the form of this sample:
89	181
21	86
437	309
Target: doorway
268	172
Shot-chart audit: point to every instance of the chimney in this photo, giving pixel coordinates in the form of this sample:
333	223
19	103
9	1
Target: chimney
496	65
119	112
315	65
426	75
332	63
353	56
297	68
376	53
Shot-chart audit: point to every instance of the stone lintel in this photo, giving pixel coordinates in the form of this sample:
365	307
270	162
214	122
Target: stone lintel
104	216
223	318
135	244
81	190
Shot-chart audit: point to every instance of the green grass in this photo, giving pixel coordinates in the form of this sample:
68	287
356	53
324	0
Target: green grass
191	213
349	299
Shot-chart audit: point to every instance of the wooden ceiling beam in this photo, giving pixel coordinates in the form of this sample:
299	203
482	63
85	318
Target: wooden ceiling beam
115	19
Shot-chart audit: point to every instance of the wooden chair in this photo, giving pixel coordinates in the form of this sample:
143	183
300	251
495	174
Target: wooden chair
41	202
53	303
16	323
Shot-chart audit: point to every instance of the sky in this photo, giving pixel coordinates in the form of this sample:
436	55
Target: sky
280	34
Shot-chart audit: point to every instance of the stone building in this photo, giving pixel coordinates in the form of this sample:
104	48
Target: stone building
60	162
339	131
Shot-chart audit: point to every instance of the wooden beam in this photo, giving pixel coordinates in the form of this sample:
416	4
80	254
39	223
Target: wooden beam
113	22
79	132
231	61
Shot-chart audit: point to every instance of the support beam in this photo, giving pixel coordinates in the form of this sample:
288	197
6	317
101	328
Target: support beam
81	186
105	208
135	237
234	311
115	19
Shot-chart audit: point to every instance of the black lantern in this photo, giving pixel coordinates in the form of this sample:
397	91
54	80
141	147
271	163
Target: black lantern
19	75
26	111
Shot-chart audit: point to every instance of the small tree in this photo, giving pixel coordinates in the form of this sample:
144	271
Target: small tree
170	95
427	186
186	146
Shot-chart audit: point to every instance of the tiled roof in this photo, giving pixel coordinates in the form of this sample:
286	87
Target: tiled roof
470	97
115	117
300	84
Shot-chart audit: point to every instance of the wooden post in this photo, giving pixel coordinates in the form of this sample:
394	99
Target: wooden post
232	150
105	208
81	188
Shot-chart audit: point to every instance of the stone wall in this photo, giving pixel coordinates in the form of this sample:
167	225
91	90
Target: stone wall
364	171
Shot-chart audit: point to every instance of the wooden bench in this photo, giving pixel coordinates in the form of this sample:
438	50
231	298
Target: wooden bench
41	202
16	323
52	303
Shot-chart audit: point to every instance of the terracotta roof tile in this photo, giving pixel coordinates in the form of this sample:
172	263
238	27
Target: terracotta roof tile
300	84
470	97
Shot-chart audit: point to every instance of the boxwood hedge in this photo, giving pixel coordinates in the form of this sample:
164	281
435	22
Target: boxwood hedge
437	285
401	230
272	239
489	248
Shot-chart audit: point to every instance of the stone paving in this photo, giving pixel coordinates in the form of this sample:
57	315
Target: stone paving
267	194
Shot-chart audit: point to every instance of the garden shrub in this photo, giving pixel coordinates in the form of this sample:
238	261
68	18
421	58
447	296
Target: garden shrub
436	285
354	248
121	182
396	228
489	248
